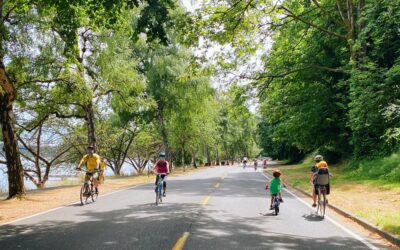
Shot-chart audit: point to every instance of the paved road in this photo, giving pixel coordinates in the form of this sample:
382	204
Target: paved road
219	208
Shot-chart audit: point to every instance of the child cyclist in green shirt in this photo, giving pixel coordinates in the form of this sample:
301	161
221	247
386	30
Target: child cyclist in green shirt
275	187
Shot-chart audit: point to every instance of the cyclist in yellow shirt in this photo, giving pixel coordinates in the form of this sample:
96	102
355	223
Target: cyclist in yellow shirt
92	162
103	165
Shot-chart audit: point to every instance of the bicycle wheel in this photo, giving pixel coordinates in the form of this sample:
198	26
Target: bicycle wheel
82	194
323	205
93	195
158	194
318	202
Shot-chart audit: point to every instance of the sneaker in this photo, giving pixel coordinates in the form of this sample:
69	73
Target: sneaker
314	205
164	194
281	200
271	208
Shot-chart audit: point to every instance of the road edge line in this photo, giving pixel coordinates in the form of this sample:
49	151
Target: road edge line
353	234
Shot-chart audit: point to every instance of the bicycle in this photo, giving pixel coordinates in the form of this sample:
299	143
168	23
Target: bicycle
159	189
321	183
87	189
276	203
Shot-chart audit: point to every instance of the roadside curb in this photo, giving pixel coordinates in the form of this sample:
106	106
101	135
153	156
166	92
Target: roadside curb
368	226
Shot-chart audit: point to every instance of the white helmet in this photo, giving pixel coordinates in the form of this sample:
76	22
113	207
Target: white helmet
318	158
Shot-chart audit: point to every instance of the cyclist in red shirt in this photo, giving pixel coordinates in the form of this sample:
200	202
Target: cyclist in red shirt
264	163
161	168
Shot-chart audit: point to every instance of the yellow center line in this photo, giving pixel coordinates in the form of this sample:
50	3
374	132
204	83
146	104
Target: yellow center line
205	201
181	241
216	185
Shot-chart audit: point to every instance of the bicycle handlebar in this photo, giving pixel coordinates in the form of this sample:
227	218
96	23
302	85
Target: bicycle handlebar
79	169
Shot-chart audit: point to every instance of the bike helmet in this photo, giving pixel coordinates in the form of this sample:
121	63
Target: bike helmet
162	154
319	158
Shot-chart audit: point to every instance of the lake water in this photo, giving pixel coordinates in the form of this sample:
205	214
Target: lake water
59	175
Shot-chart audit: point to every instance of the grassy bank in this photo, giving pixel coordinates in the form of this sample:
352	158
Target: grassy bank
361	192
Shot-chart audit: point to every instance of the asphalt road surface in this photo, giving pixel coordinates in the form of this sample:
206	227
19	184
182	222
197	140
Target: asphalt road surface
216	208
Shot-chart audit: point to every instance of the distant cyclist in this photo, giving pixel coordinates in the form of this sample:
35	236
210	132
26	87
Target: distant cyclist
92	162
244	162
161	168
264	163
103	165
320	167
255	164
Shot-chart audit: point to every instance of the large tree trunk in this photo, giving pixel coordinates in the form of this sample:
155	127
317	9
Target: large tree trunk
208	156
90	120
183	157
14	167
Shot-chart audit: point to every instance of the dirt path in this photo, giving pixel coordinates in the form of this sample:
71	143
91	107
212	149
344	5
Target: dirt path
41	200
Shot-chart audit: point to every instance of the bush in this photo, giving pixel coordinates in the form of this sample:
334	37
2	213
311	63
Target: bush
387	168
332	157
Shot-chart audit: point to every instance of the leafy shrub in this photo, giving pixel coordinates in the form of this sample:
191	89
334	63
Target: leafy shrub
387	168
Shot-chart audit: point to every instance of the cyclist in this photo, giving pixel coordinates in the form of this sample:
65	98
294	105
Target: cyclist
103	165
319	168
275	187
161	168
244	162
92	162
264	163
255	164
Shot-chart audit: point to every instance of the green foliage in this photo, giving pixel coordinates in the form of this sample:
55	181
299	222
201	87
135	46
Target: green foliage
329	85
386	169
237	125
273	148
375	93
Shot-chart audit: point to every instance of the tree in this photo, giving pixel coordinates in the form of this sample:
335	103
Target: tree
44	151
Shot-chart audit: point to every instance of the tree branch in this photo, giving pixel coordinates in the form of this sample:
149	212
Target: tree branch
291	14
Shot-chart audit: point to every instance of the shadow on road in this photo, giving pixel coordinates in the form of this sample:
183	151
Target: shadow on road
145	226
312	217
149	227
